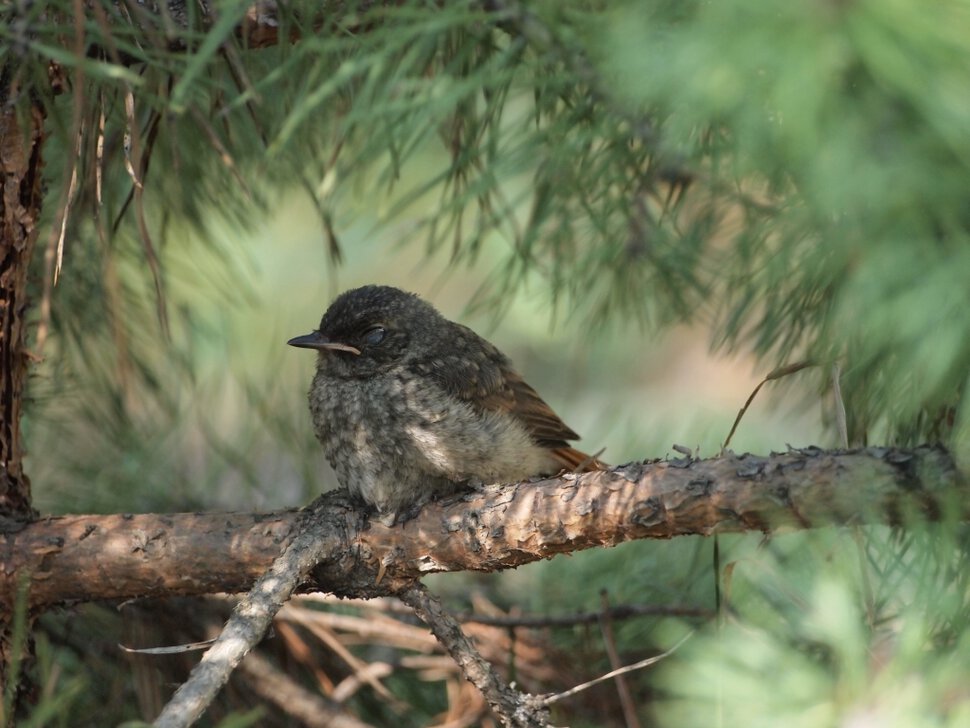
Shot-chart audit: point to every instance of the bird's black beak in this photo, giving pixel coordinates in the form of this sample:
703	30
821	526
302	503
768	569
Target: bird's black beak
318	341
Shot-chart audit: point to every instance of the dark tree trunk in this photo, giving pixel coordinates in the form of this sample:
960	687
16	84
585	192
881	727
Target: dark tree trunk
21	142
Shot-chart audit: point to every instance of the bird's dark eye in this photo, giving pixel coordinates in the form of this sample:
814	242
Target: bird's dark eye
374	335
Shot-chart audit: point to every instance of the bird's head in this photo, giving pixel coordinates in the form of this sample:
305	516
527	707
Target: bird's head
370	329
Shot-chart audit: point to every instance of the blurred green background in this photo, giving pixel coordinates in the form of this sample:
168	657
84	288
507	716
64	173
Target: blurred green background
232	429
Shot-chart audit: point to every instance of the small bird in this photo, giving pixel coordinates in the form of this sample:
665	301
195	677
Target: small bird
410	406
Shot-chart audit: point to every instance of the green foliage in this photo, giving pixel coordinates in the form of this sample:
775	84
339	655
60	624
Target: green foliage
878	636
843	123
792	175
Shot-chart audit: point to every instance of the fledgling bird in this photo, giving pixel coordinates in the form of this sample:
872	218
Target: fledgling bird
409	405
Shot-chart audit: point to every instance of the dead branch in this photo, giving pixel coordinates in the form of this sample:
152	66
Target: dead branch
618	612
83	558
514	708
309	708
380	609
317	536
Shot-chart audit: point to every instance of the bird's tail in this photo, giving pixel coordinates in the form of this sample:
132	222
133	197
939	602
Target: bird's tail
576	461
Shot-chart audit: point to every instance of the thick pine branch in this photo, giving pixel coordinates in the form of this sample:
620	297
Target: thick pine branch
82	558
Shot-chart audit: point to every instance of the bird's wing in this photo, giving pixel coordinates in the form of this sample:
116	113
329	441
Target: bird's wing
478	373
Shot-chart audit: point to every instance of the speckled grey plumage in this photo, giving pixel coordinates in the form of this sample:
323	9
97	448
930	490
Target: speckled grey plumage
429	409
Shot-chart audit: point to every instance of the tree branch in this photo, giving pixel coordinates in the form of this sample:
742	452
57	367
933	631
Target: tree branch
251	618
515	708
618	612
317	536
309	708
83	558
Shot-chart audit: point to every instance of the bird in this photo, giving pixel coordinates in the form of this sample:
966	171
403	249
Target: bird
410	406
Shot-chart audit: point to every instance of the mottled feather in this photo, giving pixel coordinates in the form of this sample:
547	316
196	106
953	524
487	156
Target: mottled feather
490	383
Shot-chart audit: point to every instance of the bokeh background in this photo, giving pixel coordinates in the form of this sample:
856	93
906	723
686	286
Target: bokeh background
228	425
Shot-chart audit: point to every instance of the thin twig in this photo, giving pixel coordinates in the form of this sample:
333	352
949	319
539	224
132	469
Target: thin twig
550	699
112	283
309	708
622	689
367	675
299	650
133	157
222	151
129	198
620	611
168	649
247	625
512	707
776	374
68	203
99	160
359	667
54	254
377	628
840	419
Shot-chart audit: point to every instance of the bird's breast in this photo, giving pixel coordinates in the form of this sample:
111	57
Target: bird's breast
410	425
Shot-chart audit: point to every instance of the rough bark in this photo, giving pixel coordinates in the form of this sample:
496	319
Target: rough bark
21	139
81	558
